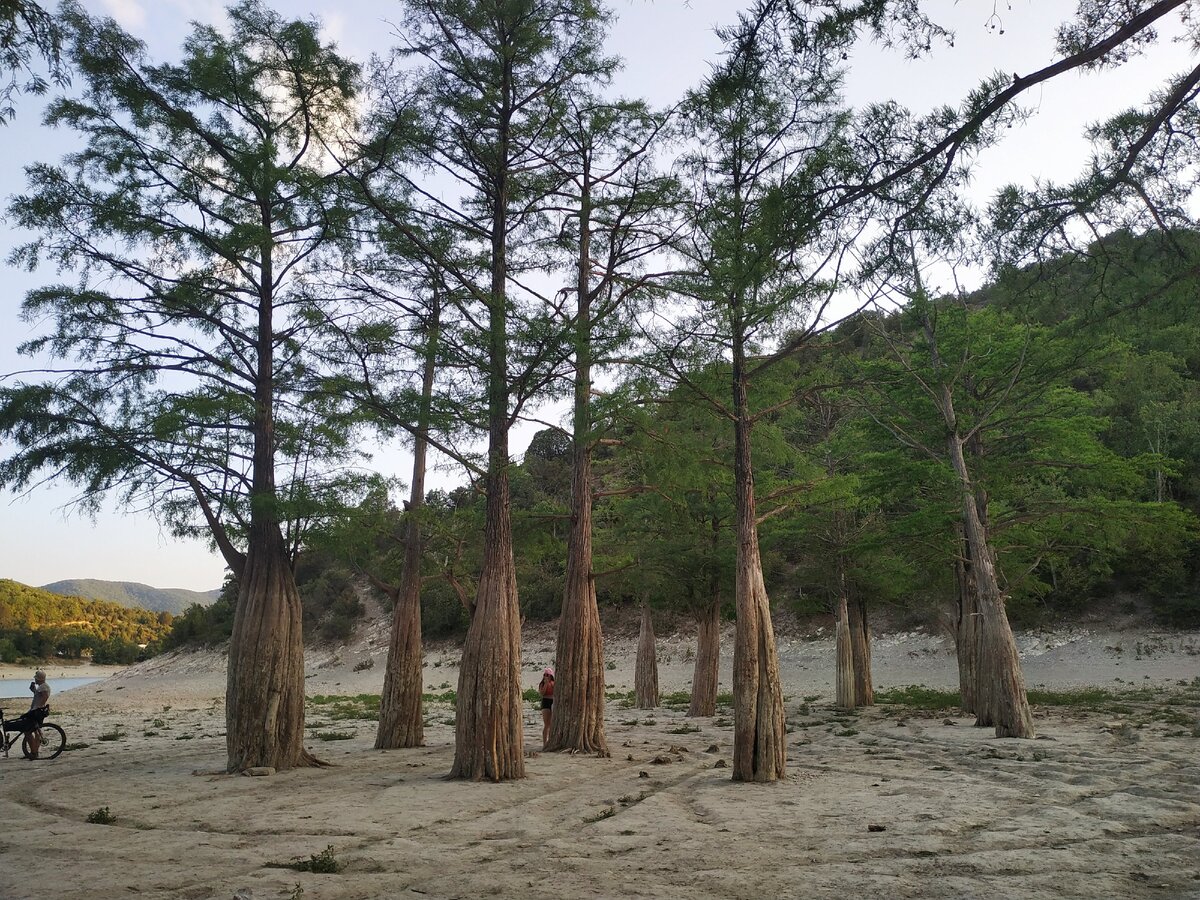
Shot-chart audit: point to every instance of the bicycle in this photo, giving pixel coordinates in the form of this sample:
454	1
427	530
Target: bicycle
53	740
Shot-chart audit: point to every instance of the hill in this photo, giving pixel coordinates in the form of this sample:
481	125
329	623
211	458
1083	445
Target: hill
133	595
36	624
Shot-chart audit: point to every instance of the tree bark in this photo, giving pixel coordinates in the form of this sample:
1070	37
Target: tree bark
488	731
645	677
845	690
999	695
264	694
401	719
708	656
966	627
578	719
759	737
860	644
1000	689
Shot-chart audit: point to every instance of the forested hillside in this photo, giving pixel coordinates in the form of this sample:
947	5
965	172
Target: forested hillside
1093	473
132	594
36	624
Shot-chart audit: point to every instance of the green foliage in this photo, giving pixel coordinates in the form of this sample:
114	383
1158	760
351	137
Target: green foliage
36	624
323	863
101	816
919	697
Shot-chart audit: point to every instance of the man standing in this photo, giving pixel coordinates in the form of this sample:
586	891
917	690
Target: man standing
38	710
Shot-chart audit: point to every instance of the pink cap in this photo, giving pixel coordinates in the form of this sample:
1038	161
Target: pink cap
548	671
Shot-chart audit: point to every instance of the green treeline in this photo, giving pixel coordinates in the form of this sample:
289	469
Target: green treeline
36	624
1092	472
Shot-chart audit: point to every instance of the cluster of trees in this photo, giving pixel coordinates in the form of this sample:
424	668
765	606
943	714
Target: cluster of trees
36	624
277	253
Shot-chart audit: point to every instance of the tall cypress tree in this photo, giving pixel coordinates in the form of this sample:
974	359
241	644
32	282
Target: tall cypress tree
192	213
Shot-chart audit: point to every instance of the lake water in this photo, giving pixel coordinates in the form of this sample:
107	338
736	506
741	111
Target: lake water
19	687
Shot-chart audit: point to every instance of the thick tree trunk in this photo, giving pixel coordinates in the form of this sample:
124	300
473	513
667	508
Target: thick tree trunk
845	683
401	720
860	644
845	693
264	696
645	672
966	628
759	736
488	736
488	731
1000	689
578	720
708	657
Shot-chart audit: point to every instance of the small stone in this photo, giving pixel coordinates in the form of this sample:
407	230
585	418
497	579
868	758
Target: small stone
876	828
661	760
720	764
949	722
259	771
643	774
243	893
713	748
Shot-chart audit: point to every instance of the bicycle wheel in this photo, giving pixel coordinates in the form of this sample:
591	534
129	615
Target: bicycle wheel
54	739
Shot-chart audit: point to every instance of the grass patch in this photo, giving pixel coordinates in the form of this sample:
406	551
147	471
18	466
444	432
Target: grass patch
80	746
358	706
101	816
607	813
917	696
114	735
684	729
333	735
323	863
677	700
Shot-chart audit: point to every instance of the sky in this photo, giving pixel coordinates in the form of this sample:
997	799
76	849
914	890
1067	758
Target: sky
667	46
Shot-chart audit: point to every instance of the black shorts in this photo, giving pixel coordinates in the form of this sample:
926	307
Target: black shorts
547	702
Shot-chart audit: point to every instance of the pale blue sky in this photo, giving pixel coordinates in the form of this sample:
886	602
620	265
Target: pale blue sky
666	45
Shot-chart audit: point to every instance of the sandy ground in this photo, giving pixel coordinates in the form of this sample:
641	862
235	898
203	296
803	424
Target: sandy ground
884	803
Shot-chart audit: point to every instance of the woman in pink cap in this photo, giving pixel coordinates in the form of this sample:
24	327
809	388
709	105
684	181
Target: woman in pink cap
546	689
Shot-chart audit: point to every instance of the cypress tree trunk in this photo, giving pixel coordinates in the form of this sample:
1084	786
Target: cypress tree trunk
966	628
845	692
1000	689
860	644
708	656
264	695
759	738
488	734
401	723
846	684
578	719
999	696
645	674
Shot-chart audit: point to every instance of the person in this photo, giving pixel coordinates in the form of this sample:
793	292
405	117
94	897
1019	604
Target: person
546	689
38	710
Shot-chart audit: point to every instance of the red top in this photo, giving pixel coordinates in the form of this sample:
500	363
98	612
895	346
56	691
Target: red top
546	688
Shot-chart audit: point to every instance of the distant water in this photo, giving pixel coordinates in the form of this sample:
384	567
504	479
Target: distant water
19	687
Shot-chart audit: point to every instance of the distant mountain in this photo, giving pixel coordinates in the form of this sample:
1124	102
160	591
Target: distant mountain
133	595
